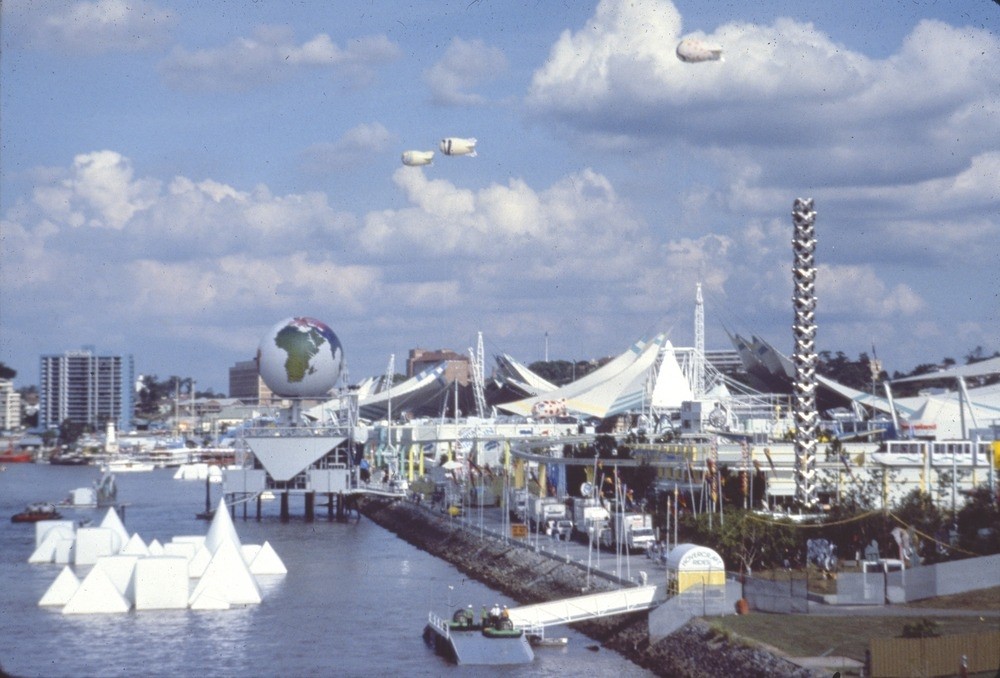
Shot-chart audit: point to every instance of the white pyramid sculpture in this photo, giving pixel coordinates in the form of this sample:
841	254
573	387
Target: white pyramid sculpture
112	522
120	570
161	583
135	546
46	550
96	595
62	589
228	577
267	561
155	547
94	542
221	529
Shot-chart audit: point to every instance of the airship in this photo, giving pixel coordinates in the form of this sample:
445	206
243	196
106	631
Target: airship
457	146
417	158
693	50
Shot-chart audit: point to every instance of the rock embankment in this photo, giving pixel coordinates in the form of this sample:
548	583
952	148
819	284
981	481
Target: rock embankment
695	650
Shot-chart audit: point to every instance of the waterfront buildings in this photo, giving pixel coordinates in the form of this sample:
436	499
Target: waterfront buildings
10	406
87	389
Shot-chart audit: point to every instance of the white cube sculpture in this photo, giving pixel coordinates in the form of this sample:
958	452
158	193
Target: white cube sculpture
94	542
161	583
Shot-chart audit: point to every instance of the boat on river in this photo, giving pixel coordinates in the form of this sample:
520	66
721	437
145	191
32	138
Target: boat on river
33	513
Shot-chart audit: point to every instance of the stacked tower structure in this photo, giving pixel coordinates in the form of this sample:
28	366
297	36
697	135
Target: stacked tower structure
804	356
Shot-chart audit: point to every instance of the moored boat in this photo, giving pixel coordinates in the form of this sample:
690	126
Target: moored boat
36	512
12	456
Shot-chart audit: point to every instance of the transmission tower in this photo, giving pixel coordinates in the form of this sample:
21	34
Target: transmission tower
477	361
804	357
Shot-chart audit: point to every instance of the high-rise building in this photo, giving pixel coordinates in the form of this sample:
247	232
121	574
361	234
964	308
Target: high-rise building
86	389
246	383
10	406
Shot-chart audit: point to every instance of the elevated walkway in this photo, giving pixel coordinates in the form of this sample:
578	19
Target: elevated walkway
580	608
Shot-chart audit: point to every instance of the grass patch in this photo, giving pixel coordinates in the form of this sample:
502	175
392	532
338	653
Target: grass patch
984	599
801	635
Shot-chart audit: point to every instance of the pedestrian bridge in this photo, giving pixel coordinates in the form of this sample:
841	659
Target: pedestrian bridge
580	608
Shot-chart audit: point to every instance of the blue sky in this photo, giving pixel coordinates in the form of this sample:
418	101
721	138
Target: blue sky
177	177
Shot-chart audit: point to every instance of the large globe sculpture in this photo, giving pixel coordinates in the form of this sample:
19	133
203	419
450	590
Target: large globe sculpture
300	358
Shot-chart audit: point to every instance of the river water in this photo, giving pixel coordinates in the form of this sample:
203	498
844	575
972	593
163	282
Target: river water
354	601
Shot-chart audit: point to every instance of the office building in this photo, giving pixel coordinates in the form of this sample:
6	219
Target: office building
86	389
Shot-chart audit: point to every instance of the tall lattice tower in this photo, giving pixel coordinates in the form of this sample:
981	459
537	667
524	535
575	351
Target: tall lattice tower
804	357
699	344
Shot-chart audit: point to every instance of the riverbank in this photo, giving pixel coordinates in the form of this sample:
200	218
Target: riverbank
696	650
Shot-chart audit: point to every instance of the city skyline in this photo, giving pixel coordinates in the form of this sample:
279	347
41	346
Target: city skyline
176	179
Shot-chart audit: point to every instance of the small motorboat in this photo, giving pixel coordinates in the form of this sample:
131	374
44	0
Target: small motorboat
36	512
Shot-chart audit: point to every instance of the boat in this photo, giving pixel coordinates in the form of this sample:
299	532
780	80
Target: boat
495	641
128	465
69	459
11	456
33	513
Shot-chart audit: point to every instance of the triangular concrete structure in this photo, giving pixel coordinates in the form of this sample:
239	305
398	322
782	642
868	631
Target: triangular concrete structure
96	595
114	523
62	589
267	561
221	529
155	547
135	546
228	577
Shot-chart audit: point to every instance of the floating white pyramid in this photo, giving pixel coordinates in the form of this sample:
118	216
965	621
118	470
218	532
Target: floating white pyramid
135	547
267	561
221	529
114	523
62	589
228	577
96	595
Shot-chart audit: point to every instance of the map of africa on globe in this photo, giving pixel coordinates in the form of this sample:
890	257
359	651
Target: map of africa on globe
300	357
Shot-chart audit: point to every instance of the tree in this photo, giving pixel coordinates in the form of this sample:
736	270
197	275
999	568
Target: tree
7	372
979	523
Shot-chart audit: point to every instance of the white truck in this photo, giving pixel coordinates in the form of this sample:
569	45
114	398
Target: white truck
543	512
517	504
588	513
633	531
